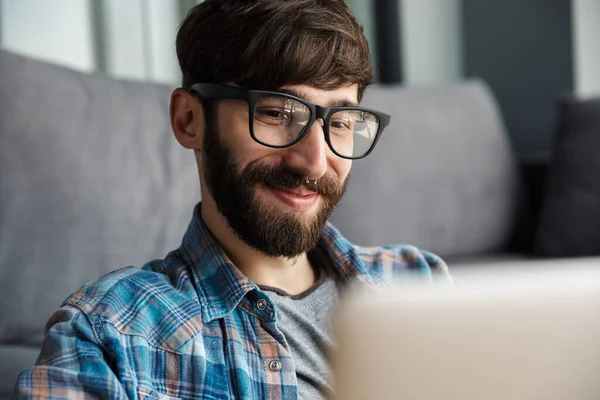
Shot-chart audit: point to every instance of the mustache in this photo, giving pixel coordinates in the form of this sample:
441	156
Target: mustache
286	177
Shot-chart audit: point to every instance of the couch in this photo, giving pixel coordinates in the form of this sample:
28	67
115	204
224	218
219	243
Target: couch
91	180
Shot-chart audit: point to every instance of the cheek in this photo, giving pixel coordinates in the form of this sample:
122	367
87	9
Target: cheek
341	167
235	133
233	126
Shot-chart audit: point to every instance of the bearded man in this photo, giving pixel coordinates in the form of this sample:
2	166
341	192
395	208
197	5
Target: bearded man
270	105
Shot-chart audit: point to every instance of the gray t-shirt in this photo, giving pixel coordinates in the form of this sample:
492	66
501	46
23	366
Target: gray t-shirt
305	321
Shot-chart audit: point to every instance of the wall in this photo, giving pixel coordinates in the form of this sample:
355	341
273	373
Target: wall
431	38
58	30
586	45
131	39
523	49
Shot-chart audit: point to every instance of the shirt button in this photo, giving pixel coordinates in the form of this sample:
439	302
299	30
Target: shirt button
275	365
261	304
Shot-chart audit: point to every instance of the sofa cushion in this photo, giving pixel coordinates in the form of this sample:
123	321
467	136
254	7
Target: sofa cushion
13	359
570	218
442	177
91	180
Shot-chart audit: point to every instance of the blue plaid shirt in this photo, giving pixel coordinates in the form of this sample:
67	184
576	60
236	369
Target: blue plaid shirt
189	326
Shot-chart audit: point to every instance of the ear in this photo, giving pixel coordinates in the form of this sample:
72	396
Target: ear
187	119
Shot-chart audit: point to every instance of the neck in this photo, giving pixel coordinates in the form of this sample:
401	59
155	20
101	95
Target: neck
293	276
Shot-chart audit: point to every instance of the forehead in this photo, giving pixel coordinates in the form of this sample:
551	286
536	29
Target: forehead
344	95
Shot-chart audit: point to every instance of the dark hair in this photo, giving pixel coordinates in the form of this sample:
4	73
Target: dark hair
266	44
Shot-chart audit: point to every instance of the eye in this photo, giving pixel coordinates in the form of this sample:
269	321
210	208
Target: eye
275	114
272	115
341	124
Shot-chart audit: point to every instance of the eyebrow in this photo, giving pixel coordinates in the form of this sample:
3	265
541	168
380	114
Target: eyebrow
339	102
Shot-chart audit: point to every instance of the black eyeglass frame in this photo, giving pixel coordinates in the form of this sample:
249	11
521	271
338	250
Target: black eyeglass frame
219	91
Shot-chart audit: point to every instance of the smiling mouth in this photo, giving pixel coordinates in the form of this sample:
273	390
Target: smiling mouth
297	199
298	192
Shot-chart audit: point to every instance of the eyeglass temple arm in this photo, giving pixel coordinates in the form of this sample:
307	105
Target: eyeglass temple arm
214	90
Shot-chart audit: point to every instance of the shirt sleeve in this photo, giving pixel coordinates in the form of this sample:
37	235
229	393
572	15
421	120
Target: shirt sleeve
72	363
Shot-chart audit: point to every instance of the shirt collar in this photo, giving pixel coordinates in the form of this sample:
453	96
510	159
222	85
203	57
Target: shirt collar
221	286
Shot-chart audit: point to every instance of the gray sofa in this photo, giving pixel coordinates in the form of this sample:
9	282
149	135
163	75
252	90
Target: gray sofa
91	180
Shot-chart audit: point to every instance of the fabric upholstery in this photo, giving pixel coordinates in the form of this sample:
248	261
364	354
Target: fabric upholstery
13	359
570	219
91	180
442	177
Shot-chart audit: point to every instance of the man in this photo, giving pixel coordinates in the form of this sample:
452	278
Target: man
270	107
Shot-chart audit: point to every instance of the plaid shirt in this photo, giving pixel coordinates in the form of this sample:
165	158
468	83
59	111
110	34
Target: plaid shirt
190	326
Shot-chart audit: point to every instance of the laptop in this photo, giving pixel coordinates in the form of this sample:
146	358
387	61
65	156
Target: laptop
518	333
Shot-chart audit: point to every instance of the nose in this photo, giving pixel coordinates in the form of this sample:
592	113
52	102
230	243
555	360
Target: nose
309	156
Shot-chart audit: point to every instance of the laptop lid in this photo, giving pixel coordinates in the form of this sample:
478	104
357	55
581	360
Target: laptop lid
516	334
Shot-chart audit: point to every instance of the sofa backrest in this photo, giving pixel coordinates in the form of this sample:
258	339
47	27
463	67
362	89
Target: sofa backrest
443	176
91	180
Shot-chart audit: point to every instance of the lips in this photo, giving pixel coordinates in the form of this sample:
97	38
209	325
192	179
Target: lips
299	191
298	199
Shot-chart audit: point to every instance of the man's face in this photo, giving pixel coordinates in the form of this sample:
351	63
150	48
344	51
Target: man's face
261	191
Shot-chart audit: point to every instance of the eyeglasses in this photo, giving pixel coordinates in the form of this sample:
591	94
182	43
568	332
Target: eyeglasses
281	120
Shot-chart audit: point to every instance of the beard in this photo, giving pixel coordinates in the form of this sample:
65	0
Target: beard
273	231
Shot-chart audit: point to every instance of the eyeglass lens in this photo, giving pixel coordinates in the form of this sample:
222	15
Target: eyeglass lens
279	120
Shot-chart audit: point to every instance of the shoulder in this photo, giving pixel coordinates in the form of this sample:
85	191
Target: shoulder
116	287
136	301
393	261
387	262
